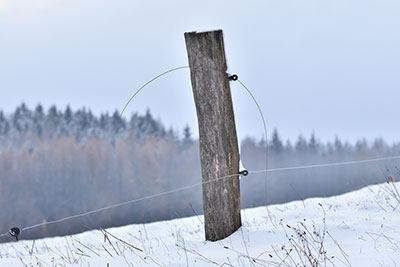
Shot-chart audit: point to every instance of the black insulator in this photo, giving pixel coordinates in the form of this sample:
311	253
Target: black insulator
233	77
244	173
14	232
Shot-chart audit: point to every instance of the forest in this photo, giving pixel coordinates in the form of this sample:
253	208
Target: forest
60	162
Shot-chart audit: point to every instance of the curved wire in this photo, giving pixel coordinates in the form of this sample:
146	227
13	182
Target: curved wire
265	136
155	78
148	82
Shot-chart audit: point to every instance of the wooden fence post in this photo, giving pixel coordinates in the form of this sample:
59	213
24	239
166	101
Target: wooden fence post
219	152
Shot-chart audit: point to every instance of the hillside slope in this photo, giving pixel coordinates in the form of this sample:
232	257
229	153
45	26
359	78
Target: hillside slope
356	229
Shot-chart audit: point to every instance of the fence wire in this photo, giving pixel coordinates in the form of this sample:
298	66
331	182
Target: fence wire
180	189
120	204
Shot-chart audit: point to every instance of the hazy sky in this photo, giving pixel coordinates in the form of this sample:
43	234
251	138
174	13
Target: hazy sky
332	67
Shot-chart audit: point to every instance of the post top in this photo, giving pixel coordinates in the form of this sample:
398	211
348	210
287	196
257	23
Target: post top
206	49
203	32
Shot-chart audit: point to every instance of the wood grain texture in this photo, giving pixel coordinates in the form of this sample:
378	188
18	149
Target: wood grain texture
219	152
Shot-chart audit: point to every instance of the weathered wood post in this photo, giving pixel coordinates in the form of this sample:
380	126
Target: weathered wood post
219	152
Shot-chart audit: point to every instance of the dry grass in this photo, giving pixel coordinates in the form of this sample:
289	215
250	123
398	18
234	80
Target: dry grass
306	246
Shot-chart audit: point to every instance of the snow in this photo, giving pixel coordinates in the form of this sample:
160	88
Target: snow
355	229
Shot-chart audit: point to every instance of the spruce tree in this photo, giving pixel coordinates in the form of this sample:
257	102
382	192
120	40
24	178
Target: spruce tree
187	135
301	144
313	143
276	143
38	120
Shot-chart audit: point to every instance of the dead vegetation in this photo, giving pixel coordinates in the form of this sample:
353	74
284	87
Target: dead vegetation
306	246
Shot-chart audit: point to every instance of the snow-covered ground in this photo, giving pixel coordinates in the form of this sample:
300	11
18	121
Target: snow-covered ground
361	228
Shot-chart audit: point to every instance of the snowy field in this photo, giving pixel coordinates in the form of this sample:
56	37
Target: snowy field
361	228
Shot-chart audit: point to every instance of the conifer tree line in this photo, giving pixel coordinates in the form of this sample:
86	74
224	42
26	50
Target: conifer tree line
60	162
80	124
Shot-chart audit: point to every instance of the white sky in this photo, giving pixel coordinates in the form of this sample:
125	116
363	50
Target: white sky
326	66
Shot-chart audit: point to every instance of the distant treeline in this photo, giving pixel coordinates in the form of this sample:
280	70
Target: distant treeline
57	163
80	124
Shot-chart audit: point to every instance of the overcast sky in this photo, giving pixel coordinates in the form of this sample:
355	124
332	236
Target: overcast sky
332	67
